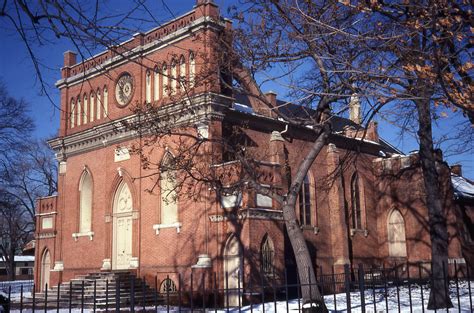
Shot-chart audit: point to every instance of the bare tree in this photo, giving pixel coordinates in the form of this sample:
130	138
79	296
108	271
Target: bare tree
423	56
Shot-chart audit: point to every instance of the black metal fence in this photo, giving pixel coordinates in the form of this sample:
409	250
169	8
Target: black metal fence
403	288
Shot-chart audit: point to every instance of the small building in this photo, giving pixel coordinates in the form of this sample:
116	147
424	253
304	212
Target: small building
24	267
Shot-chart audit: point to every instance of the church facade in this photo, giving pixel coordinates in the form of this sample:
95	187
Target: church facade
113	211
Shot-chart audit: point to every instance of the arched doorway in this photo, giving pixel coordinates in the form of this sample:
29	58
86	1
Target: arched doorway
122	228
45	269
233	271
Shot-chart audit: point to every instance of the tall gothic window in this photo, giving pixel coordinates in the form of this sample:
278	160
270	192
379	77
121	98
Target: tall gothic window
99	104
73	113
165	80
86	109
79	111
173	77
148	86
182	72
304	199
92	99
156	84
397	245
169	196
267	251
356	212
106	102
85	202
192	70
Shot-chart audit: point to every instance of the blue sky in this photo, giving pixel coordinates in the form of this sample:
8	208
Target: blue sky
17	72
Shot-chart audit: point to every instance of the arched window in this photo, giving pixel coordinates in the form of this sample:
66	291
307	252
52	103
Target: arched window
192	70
79	111
304	198
156	84
267	254
182	73
148	86
99	104
168	286
165	80
356	212
169	196
85	202
106	102
92	106
72	110
173	77
86	109
397	245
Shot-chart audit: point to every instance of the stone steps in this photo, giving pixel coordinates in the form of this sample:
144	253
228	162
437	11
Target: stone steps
80	292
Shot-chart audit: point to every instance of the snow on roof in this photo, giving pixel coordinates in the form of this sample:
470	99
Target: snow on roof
243	108
462	187
21	258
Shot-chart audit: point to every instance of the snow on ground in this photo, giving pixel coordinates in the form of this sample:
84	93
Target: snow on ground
339	304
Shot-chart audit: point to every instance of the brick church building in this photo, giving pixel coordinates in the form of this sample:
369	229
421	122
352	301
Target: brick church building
111	214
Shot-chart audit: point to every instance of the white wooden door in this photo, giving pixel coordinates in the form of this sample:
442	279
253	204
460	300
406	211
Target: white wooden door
45	269
233	271
122	224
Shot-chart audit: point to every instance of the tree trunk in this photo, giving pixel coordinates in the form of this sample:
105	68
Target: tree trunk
437	219
312	299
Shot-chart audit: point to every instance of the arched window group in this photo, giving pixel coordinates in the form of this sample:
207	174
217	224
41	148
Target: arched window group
169	79
88	107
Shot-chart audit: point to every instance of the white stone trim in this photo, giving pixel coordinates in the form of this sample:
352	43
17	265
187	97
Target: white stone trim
46	214
58	266
158	227
89	234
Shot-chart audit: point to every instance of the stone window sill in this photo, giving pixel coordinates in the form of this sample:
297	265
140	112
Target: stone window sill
354	231
158	227
89	234
315	229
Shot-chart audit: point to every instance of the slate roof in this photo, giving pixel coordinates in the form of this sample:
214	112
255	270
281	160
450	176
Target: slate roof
338	123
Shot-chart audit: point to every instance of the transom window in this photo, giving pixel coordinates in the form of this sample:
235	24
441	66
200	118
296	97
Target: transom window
168	286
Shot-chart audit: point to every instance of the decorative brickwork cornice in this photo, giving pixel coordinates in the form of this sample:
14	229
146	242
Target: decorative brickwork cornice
103	61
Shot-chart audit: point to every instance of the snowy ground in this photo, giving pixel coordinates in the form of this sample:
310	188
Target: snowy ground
339	304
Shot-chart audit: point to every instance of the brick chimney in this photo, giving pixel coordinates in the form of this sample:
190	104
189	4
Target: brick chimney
206	8
354	109
272	98
69	58
456	169
372	131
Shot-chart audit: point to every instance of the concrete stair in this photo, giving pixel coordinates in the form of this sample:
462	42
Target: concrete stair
111	289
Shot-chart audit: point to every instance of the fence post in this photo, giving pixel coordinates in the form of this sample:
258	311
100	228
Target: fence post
117	295
95	294
57	297
21	298
362	287
334	287
457	284
45	298
34	302
106	295
469	285
155	294
82	296
347	286
421	288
